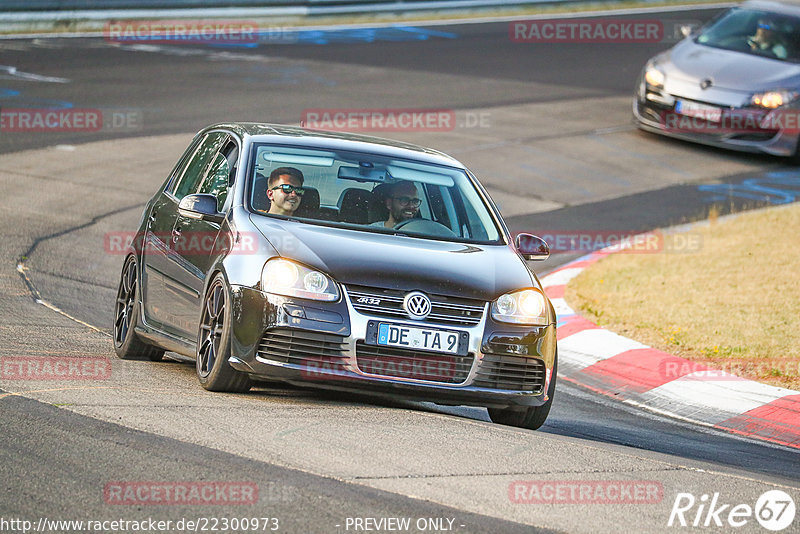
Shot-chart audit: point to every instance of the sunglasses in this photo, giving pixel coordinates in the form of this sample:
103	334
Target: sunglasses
288	188
408	201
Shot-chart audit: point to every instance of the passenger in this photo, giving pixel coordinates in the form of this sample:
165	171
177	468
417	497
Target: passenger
403	204
284	190
767	40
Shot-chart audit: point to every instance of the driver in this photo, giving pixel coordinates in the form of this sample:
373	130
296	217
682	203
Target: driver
285	190
767	39
403	204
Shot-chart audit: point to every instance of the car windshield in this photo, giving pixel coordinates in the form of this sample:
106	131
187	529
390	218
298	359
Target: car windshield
756	32
371	193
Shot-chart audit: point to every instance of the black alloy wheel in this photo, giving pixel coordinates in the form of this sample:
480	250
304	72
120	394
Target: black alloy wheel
213	343
127	343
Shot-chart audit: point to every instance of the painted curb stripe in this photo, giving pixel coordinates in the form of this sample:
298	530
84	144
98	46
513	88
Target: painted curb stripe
618	367
637	370
597	344
561	277
711	400
573	325
778	421
555	292
562	310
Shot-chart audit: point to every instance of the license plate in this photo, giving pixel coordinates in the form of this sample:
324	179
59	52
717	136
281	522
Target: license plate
409	337
701	111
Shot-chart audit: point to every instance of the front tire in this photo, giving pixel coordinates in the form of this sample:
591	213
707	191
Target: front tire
214	343
532	417
127	343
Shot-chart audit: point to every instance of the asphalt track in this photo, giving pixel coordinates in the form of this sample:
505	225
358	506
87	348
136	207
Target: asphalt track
546	127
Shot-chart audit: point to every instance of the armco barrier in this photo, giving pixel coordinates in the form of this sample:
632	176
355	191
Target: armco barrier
83	5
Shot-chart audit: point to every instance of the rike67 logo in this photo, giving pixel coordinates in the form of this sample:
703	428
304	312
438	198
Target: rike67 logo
774	510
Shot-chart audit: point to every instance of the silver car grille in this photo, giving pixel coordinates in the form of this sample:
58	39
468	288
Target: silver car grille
389	303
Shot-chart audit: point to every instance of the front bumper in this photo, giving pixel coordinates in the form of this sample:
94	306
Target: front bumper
325	345
653	110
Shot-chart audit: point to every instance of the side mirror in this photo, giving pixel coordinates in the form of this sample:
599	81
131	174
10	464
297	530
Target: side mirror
532	247
688	29
201	206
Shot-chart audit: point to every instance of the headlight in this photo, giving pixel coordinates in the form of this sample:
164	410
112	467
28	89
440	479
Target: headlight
773	99
654	77
528	306
284	277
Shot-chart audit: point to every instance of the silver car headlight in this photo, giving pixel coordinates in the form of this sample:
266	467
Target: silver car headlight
527	306
654	77
773	99
284	277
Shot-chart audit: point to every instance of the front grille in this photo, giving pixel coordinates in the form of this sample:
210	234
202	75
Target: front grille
758	137
412	364
389	303
511	372
742	124
310	350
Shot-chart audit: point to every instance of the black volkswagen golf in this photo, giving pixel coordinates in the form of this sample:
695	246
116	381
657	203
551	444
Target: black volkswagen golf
276	253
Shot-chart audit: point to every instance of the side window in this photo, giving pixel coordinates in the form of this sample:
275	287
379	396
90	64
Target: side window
177	171
199	162
221	173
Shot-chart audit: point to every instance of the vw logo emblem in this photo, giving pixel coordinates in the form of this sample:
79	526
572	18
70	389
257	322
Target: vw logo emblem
417	305
705	84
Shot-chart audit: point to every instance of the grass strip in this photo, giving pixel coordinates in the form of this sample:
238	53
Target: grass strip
733	305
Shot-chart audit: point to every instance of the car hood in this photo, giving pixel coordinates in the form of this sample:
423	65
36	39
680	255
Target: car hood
396	262
734	71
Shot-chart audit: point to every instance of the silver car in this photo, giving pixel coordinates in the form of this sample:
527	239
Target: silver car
735	83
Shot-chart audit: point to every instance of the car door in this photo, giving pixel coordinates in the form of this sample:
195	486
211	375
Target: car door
163	294
155	242
197	243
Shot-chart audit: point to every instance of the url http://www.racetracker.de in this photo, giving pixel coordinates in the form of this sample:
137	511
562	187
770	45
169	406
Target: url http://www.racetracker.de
196	524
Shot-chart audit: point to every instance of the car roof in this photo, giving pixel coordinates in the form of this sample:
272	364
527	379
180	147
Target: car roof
786	7
285	134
